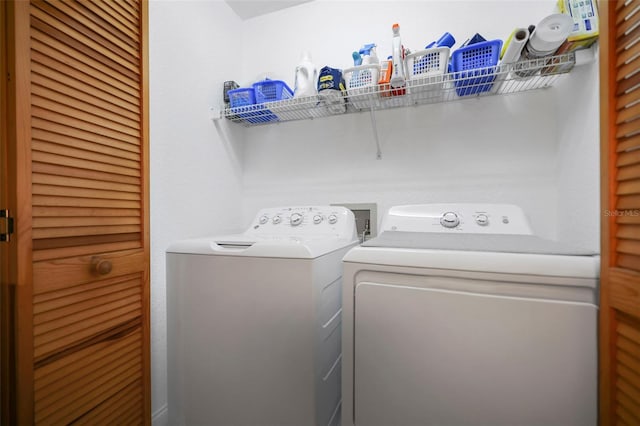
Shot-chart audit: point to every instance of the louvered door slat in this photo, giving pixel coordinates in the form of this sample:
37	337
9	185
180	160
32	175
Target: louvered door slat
80	163
628	158
53	169
73	387
85	145
50	54
43	19
44	212
88	126
125	16
74	335
629	202
56	129
114	410
66	104
95	118
108	37
630	113
47	146
80	246
108	26
63	191
105	7
74	182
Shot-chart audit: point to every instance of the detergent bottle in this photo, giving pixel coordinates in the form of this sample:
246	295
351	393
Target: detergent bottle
306	76
398	74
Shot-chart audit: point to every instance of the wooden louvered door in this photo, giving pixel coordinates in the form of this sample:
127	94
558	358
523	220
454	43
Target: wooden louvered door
620	169
80	302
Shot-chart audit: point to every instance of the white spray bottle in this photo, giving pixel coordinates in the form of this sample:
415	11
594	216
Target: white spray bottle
398	76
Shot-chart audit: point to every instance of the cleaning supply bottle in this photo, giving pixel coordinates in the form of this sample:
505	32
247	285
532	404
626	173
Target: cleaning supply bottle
369	56
398	75
306	76
365	77
357	59
386	68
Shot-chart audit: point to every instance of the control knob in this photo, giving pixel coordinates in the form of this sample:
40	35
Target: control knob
296	219
264	219
277	220
482	220
333	219
317	219
449	220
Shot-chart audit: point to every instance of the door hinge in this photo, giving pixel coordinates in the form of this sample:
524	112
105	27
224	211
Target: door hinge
7	229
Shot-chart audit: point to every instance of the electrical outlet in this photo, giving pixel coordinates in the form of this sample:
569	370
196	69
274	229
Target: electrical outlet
366	215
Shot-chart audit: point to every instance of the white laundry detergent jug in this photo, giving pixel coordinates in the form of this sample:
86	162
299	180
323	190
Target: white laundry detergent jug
306	76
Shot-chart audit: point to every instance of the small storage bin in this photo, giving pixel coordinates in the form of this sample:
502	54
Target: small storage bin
271	91
474	67
241	97
362	85
242	103
426	70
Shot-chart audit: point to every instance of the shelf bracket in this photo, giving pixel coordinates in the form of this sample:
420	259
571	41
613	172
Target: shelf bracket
375	134
216	114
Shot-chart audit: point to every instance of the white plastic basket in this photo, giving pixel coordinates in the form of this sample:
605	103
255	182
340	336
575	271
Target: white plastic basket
362	85
426	70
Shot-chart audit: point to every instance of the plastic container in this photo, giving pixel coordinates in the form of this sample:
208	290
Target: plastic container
427	62
426	70
362	84
306	77
271	91
243	105
474	67
241	97
398	75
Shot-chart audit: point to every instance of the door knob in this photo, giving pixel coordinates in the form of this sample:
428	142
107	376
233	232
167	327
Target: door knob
101	266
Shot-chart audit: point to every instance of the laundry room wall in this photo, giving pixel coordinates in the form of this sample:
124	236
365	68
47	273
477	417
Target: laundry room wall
578	160
195	171
491	149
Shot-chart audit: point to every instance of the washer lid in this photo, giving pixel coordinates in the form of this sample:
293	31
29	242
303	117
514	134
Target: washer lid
508	254
261	246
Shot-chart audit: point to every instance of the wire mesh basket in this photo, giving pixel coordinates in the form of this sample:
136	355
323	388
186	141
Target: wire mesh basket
362	85
474	67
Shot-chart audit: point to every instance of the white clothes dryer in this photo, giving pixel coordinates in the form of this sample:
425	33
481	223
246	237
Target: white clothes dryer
254	321
457	315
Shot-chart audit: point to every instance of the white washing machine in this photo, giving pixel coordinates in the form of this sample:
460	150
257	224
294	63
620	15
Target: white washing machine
254	321
457	315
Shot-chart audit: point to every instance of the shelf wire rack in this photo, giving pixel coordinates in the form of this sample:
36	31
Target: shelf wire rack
497	80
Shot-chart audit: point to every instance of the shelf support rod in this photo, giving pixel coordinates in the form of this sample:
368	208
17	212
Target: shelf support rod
375	134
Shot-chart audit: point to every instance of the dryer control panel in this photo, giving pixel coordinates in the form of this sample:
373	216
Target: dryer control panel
305	221
457	217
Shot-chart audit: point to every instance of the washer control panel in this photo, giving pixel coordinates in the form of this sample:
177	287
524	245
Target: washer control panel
457	217
306	221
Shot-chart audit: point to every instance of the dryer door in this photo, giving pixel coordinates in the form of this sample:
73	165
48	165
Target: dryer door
428	356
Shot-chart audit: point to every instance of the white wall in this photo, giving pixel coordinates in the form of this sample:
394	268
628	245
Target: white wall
578	160
195	173
494	149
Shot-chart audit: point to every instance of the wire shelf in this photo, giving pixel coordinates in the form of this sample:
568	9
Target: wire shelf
498	80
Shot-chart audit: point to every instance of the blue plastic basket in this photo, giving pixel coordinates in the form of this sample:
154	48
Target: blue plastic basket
242	97
474	67
243	105
271	90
